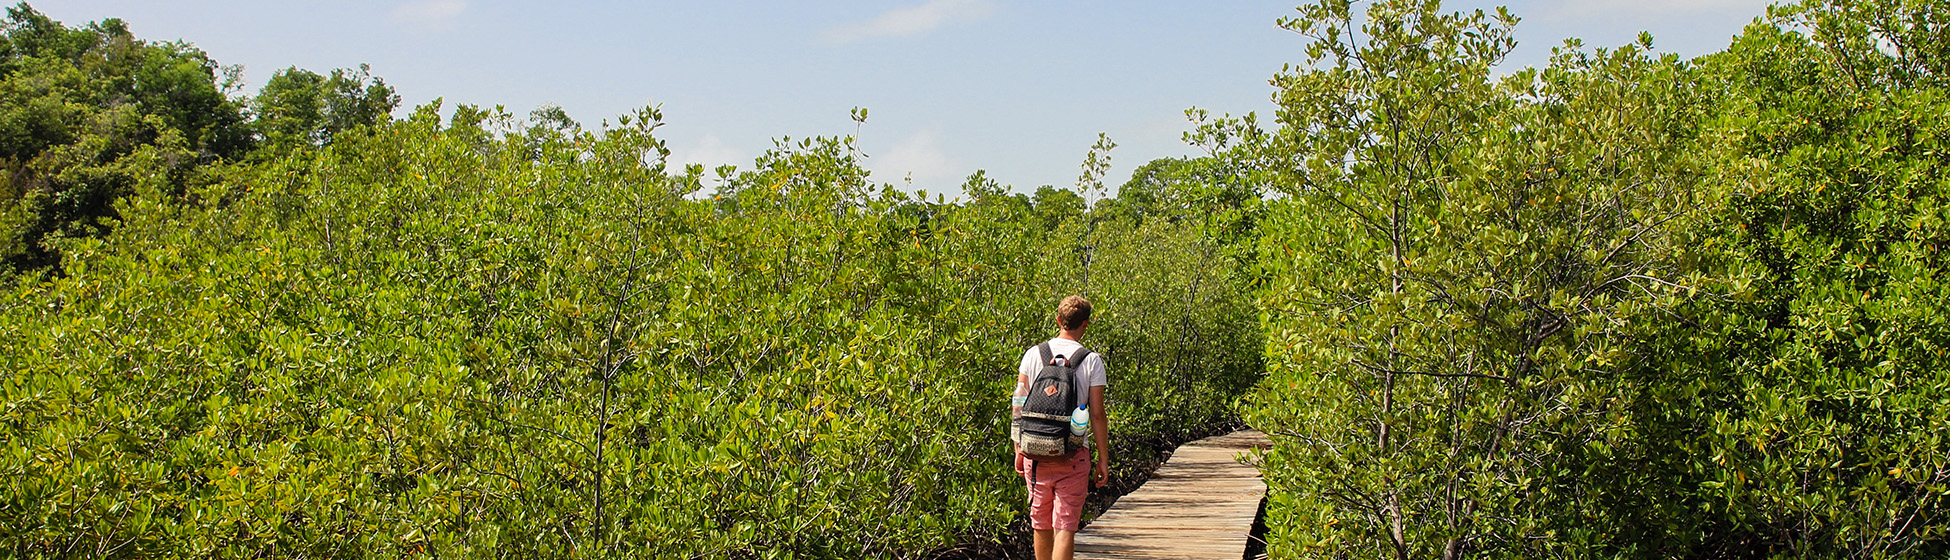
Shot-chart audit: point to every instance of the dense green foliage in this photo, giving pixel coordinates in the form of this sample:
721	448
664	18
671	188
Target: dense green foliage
299	108
92	114
1625	305
433	338
87	116
1451	273
1816	425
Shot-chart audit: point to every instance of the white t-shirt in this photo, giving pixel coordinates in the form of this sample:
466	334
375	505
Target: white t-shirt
1090	375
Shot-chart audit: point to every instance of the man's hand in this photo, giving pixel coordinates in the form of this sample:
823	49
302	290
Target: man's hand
1102	475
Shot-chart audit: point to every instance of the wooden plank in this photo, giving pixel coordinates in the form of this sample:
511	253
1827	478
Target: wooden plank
1200	504
1219	523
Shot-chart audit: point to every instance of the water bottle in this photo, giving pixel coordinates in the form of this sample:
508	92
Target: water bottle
1080	421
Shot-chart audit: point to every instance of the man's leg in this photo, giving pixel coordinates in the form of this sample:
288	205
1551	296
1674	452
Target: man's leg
1045	539
1065	547
1070	490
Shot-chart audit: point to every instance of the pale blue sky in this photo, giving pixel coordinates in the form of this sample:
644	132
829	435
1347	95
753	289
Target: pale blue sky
1020	89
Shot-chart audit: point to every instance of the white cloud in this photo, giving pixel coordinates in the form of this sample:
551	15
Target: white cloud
435	15
710	152
918	157
909	21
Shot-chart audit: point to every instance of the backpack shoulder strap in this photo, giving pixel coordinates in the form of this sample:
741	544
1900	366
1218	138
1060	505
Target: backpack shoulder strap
1079	393
1077	357
1076	374
1044	348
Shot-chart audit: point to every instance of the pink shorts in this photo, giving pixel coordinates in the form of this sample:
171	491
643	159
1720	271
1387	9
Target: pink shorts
1056	490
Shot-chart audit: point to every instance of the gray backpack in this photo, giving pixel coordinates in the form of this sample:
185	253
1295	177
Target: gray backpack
1042	431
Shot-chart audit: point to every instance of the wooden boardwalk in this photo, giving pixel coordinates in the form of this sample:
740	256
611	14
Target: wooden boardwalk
1200	504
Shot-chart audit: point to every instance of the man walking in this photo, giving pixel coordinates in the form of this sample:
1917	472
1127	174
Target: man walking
1057	484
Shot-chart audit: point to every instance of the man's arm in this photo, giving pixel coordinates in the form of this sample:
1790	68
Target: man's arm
1100	431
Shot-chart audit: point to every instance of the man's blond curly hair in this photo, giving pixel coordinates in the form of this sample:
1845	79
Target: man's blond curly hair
1073	312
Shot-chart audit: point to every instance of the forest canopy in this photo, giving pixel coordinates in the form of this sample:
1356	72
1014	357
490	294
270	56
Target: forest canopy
89	115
